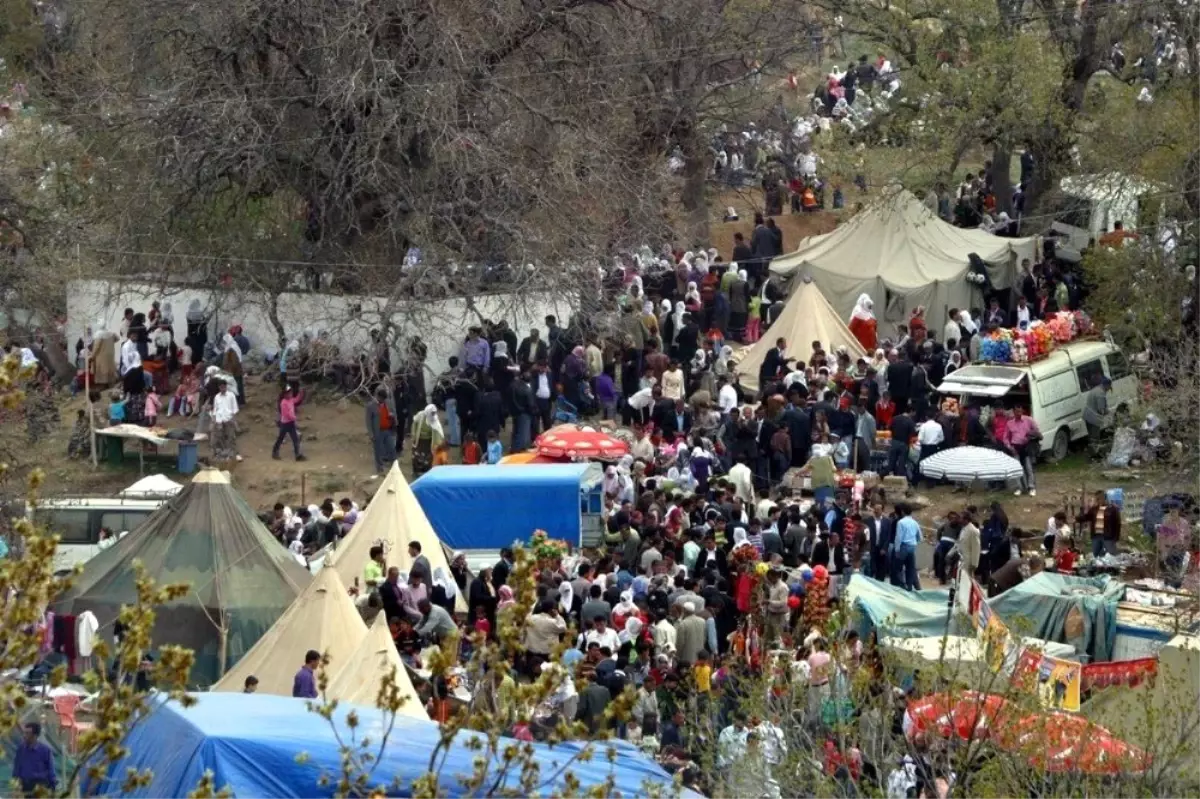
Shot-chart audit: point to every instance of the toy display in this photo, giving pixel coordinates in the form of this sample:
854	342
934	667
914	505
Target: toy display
1009	345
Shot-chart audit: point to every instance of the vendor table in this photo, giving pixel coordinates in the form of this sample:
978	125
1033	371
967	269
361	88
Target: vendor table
111	443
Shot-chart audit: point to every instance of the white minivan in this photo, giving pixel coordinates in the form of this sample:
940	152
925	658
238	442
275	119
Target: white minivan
77	521
1052	389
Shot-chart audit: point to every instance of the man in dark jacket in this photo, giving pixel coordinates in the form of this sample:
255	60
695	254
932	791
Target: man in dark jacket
502	568
776	238
532	350
674	420
773	363
524	411
762	247
742	254
489	411
899	382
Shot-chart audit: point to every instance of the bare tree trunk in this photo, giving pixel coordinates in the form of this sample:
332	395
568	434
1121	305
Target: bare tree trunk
694	193
1001	177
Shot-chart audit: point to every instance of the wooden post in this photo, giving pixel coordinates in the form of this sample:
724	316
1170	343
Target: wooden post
303	489
87	390
223	646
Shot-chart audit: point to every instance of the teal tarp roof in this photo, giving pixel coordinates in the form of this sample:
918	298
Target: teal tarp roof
1081	611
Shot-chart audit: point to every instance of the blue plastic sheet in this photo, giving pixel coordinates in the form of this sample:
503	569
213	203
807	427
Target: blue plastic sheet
250	743
490	507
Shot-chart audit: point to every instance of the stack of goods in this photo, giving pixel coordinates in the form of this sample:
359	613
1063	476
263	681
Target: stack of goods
997	347
1039	340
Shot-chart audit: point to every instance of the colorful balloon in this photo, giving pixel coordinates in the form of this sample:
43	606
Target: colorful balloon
820	572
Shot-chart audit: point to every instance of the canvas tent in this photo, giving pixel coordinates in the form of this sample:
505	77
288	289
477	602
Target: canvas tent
902	256
323	618
393	519
807	317
208	537
360	677
154	486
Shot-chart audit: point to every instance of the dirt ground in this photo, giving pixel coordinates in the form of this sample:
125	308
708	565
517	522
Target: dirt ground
334	439
746	202
340	464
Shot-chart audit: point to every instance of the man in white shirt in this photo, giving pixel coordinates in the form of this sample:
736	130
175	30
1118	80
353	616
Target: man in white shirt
727	397
952	331
602	634
640	403
930	437
224	435
130	357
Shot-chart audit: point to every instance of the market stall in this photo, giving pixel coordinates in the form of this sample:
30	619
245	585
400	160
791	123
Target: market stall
110	442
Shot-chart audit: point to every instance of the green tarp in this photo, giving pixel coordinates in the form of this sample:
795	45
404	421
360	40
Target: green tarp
1080	611
208	537
892	611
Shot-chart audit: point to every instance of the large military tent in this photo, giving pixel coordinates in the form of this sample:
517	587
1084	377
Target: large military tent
323	618
241	580
806	317
361	676
392	519
903	256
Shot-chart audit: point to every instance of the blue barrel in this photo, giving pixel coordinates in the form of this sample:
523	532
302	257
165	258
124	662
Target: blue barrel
1116	496
188	457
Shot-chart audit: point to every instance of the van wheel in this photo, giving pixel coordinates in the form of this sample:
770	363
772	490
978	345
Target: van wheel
1062	444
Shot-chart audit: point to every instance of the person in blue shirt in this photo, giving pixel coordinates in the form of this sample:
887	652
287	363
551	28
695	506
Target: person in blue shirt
33	762
904	549
116	408
495	450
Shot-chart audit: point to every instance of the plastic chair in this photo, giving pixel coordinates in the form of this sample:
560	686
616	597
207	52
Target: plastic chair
64	708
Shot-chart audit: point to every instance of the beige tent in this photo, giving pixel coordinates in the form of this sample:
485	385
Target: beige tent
323	618
806	317
361	676
1162	715
393	519
902	256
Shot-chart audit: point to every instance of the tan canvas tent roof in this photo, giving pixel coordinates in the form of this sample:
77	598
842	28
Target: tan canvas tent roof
807	317
392	519
323	618
902	256
359	679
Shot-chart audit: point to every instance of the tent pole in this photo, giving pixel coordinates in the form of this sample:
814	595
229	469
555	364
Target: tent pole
223	647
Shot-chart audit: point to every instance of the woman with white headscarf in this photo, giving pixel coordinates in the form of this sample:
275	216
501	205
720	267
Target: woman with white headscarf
649	319
444	590
566	598
427	436
103	355
612	483
691	297
678	320
231	363
632	629
625	608
701	465
863	323
740	539
955	362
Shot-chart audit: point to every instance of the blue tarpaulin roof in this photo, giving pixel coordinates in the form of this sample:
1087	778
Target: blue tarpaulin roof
490	507
250	743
